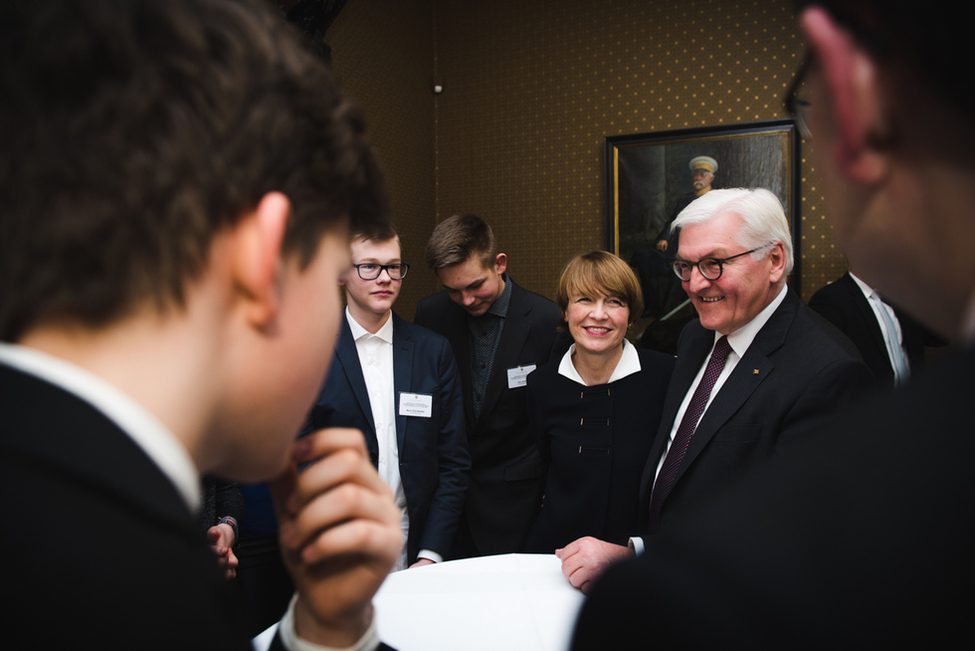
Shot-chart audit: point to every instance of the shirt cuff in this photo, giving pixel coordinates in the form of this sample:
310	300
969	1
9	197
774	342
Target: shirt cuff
429	554
368	642
636	544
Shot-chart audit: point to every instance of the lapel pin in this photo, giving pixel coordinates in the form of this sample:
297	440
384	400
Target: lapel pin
755	371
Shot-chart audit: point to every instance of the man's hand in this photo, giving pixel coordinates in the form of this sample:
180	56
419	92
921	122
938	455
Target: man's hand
340	534
420	562
585	559
221	539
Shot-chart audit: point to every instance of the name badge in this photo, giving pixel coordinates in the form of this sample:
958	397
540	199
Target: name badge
416	404
518	376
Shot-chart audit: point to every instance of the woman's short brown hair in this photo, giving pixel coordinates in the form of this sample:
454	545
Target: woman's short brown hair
600	273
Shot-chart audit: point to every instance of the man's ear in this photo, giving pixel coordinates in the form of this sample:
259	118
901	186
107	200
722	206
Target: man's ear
257	270
854	99
501	262
777	260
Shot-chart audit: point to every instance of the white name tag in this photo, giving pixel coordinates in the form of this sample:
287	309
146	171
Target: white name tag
416	404
518	376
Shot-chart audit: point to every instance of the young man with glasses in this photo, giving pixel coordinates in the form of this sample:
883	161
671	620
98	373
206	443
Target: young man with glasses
757	371
397	383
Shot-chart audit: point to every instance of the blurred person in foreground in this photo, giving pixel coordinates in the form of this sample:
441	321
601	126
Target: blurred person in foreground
862	536
177	182
595	411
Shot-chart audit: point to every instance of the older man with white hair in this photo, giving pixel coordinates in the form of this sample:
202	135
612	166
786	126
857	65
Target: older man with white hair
755	372
860	537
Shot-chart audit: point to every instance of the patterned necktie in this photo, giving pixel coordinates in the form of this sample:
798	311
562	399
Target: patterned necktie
668	473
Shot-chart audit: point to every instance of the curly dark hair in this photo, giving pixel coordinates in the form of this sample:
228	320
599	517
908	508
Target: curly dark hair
134	131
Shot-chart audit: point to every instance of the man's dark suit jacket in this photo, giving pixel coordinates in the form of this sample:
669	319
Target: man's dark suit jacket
844	305
434	462
98	545
507	475
858	537
792	375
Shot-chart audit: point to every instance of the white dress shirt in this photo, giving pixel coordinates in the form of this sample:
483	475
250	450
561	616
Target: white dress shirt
376	359
628	365
893	341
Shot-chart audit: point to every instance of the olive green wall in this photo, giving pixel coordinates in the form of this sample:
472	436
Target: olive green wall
531	90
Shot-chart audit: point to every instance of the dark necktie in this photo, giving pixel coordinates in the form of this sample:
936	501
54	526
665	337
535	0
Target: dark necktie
668	473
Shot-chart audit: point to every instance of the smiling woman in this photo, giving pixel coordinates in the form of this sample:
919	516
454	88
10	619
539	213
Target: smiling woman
597	325
596	410
597	293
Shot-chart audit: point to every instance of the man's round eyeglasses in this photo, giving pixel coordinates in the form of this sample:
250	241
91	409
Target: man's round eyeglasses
710	268
371	271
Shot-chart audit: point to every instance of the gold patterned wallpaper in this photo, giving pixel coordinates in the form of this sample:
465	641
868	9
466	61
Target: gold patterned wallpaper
530	90
383	50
